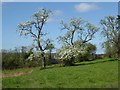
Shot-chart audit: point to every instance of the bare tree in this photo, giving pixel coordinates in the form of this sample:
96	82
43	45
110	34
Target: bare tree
34	28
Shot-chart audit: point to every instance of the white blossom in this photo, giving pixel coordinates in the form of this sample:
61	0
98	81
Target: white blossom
68	53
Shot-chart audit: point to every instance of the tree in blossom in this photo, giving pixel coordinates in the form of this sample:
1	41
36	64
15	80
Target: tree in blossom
34	28
77	30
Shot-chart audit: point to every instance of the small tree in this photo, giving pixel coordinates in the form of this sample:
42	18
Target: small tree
34	28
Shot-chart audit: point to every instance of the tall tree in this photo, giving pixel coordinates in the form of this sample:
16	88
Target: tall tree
79	31
111	30
34	28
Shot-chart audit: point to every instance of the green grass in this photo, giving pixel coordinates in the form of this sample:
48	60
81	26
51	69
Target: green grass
94	74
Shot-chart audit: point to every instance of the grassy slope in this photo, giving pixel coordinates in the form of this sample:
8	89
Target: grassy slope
88	74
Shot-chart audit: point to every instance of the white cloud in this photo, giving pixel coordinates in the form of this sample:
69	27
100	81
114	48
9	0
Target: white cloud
55	13
51	20
85	7
54	20
58	12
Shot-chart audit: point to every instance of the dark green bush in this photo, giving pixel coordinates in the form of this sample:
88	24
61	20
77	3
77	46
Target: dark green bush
13	60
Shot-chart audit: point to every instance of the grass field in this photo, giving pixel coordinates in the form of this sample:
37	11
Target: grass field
93	74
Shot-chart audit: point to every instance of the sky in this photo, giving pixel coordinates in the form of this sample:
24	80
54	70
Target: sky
14	13
59	0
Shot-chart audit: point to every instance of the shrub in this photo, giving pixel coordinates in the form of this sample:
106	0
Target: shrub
68	55
13	60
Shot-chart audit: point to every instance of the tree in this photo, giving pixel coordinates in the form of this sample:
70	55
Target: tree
79	31
88	51
34	28
111	30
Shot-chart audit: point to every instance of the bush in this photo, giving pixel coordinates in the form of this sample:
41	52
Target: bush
87	52
13	60
68	55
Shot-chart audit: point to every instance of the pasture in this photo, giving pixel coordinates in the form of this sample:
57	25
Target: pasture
93	74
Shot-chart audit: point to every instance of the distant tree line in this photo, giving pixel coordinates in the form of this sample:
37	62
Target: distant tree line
20	58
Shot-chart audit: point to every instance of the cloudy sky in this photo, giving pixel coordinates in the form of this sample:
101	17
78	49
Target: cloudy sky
15	13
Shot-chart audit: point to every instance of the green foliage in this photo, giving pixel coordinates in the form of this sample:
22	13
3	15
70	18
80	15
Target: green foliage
86	75
50	59
88	52
31	64
14	59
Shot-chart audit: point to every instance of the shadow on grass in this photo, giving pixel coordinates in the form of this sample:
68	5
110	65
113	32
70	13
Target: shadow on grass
51	66
81	63
94	62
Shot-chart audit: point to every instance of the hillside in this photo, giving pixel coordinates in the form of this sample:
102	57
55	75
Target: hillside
94	74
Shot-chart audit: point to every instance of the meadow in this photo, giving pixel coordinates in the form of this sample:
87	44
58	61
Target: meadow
101	73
